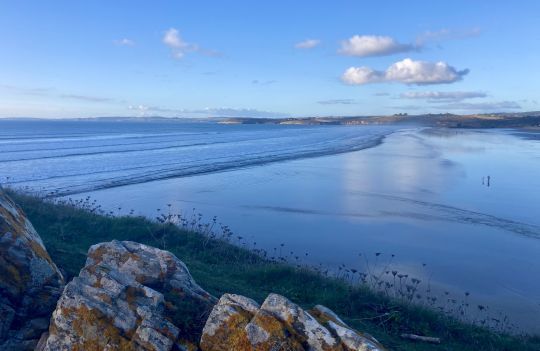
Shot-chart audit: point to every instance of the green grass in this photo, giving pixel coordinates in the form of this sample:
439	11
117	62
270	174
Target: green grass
220	267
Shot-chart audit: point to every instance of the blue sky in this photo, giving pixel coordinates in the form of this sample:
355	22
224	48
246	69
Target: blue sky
267	58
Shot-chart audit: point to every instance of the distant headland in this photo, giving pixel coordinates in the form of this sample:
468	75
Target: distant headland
529	120
448	120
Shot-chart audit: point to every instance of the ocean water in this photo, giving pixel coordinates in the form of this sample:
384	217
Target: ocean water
338	194
67	157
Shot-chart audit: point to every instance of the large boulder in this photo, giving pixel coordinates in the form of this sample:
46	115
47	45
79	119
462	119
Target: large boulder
239	323
129	296
30	283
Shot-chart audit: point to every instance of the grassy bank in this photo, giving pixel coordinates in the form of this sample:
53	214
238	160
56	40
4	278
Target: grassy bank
69	230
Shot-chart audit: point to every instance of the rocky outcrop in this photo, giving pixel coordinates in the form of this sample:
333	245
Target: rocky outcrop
239	323
129	296
30	283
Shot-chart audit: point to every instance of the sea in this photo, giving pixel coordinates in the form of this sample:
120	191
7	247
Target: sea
458	209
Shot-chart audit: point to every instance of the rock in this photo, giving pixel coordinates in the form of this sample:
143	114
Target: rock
30	283
350	339
238	323
129	296
225	328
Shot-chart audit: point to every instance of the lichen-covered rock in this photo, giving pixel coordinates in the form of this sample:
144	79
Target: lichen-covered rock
238	323
30	283
351	340
225	328
129	296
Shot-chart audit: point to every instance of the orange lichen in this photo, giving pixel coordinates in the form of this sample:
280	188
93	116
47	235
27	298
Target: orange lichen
281	336
104	297
40	251
97	254
95	331
13	273
230	335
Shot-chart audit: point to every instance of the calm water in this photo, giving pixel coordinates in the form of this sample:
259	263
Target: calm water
331	192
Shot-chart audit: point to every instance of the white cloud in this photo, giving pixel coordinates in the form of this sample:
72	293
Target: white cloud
138	107
372	45
406	71
362	75
179	47
172	39
443	96
380	45
124	42
307	44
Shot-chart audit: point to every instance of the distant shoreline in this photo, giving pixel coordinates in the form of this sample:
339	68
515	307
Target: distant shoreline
503	120
529	120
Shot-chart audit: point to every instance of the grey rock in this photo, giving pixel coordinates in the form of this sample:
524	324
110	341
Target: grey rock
119	301
238	323
30	283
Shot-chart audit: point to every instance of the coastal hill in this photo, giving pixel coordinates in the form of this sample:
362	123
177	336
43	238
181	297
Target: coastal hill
448	120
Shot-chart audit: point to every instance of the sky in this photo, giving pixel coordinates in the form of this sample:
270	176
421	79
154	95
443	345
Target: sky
61	59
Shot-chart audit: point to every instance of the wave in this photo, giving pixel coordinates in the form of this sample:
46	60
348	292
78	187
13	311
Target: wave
65	168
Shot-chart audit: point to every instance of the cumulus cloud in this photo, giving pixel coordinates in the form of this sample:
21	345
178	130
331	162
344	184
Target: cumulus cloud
179	47
337	102
443	96
380	45
124	42
307	44
372	45
172	39
407	71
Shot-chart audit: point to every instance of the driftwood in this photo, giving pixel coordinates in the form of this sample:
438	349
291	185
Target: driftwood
421	338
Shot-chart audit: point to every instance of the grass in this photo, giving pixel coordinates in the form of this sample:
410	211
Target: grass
69	229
